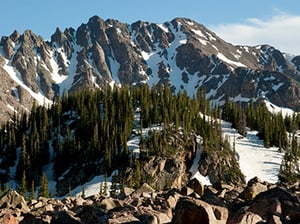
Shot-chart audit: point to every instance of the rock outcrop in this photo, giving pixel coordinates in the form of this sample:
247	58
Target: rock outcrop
278	204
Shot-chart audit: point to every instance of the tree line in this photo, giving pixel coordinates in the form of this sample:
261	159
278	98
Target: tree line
95	125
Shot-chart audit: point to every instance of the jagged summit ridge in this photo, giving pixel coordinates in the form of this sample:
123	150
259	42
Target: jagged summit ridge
181	53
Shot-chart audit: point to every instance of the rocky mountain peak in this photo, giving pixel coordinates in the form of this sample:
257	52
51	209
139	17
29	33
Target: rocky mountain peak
181	53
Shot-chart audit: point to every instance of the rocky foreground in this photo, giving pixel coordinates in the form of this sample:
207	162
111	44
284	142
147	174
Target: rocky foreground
258	202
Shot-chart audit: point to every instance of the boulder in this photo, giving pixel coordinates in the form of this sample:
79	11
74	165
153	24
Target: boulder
122	214
172	201
186	191
8	219
107	204
254	187
90	214
128	191
145	188
33	219
197	186
189	210
274	219
63	218
275	205
13	200
127	218
246	218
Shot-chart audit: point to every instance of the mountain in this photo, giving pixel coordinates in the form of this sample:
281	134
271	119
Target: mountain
181	53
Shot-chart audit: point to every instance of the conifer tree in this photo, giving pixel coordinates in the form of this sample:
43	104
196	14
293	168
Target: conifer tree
23	185
241	122
43	191
83	192
6	189
101	189
105	186
227	110
32	191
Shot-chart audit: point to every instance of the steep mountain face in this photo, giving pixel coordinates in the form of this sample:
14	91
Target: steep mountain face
180	53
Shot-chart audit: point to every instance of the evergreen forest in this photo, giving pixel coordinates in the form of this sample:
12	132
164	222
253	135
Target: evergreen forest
93	126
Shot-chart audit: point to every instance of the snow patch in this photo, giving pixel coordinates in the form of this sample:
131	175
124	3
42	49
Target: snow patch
67	83
275	109
227	60
165	29
183	41
215	47
16	76
270	78
114	68
93	187
199	33
194	168
190	23
211	37
202	41
246	49
253	157
11	108
276	87
239	98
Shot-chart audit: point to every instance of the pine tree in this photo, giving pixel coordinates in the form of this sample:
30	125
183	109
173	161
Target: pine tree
227	110
105	186
101	189
114	188
32	191
43	191
6	189
83	192
241	122
289	169
23	185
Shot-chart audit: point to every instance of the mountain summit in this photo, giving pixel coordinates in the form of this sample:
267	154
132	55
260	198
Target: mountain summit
181	53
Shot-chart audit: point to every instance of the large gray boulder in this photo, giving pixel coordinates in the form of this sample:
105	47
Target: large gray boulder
12	200
192	211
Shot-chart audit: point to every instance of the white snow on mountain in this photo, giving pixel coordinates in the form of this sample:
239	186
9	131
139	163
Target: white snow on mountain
228	61
66	82
56	77
114	68
275	109
16	76
253	157
94	186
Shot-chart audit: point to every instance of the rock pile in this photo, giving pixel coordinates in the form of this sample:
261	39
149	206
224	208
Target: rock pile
230	204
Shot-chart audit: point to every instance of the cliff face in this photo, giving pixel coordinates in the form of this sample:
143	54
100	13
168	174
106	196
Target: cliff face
180	53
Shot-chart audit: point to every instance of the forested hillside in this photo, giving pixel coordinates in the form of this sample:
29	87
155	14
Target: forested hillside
90	129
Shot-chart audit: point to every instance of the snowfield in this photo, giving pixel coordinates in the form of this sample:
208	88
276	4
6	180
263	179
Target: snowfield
93	187
254	158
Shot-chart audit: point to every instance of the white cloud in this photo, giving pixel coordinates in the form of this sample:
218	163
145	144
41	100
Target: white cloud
281	31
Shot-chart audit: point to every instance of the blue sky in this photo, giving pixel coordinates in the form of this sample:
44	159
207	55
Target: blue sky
237	21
